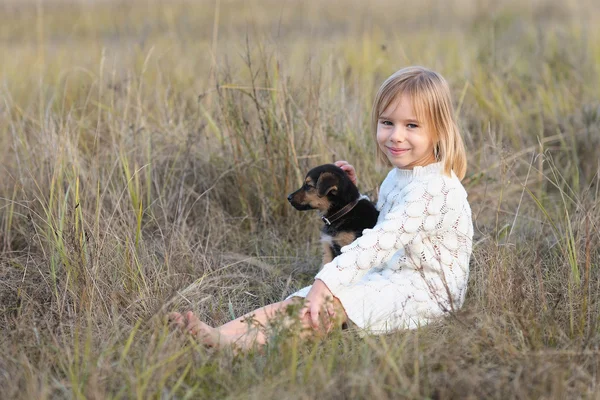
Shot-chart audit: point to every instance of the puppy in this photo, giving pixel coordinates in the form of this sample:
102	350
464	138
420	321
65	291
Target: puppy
344	211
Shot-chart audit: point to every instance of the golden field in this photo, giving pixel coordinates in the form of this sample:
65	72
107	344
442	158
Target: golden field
149	147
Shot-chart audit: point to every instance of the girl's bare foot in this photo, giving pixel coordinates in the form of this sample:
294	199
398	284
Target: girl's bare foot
192	325
205	333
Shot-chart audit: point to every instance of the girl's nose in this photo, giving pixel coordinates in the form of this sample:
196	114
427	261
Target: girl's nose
398	135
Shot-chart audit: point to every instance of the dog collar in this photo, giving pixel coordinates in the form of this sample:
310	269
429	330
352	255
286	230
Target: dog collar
339	214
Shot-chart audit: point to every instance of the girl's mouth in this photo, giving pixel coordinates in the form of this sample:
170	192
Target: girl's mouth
397	152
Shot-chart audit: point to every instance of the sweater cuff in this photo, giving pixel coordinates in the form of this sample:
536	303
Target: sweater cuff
332	277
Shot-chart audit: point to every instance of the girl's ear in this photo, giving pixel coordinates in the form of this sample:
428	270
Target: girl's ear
327	183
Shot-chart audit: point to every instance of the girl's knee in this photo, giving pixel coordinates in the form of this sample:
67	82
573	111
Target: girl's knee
291	300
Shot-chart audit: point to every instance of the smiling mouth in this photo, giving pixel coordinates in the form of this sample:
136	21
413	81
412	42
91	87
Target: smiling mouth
397	151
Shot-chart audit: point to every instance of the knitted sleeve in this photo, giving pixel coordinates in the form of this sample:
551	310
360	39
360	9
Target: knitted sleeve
414	233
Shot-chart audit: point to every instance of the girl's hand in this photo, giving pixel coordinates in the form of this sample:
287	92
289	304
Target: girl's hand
348	169
319	299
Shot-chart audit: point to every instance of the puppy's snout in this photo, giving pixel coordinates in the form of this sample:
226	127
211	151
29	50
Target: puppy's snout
297	201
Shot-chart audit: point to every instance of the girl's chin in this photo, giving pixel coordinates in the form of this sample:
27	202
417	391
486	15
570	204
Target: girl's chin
401	165
406	163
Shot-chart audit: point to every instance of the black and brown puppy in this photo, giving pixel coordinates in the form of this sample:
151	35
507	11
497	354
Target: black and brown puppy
344	211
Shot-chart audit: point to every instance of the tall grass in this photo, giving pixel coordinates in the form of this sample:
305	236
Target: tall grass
149	148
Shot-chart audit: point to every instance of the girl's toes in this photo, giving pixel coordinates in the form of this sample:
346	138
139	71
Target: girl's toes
176	320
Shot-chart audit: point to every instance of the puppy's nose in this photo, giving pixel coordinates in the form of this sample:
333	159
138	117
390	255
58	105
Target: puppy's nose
290	197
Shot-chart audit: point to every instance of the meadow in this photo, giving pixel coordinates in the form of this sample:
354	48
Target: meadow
148	148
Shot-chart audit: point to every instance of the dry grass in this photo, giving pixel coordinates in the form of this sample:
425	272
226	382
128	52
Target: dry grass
149	148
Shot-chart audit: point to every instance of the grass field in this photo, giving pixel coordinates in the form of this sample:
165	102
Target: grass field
148	148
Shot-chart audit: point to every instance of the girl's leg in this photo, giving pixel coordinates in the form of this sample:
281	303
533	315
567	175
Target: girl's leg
247	328
259	317
244	333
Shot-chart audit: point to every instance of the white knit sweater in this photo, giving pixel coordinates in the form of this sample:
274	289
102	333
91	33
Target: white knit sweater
412	267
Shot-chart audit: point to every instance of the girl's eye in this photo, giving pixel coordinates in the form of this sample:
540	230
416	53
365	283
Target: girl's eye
412	126
385	122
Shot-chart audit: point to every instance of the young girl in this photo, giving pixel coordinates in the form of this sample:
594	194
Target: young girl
412	267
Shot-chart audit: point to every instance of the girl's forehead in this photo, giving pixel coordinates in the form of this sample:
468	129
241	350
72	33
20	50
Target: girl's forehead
401	105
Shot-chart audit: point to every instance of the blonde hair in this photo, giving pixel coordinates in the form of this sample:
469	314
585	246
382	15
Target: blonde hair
430	96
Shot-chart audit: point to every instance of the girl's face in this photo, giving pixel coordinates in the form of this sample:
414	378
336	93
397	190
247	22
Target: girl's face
405	141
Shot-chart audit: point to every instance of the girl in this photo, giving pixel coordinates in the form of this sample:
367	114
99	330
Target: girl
412	267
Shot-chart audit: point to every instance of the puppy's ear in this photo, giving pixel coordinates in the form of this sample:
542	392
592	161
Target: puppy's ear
327	183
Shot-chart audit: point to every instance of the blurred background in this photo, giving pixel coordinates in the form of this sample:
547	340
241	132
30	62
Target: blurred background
149	147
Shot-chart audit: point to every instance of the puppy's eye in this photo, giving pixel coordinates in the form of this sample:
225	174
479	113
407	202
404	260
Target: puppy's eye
308	187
